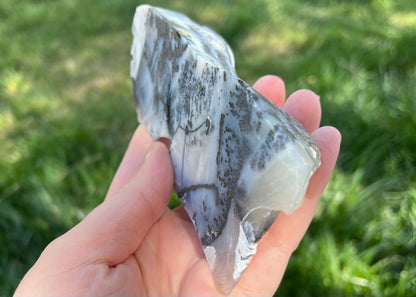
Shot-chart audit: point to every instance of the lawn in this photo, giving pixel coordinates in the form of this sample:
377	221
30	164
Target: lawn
67	114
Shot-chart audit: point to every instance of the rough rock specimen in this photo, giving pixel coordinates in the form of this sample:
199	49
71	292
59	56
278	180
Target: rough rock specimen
238	159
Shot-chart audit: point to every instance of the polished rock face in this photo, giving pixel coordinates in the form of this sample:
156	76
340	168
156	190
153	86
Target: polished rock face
238	159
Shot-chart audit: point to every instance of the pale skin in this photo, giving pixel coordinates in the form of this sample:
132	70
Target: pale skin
132	244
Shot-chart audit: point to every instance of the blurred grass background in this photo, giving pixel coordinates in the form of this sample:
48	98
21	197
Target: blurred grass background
67	114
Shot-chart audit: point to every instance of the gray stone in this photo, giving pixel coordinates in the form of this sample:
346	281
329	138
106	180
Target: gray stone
238	159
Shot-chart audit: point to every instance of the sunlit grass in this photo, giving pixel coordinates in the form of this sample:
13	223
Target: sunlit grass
67	114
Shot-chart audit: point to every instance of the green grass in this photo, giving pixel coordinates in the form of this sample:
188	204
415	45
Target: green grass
67	114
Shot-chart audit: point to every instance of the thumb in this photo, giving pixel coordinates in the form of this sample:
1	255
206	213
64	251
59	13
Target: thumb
115	229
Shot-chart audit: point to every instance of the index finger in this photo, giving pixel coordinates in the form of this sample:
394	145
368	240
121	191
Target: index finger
273	88
132	160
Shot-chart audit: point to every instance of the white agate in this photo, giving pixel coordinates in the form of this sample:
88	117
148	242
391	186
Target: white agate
238	159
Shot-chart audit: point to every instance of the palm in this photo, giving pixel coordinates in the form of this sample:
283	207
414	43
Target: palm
178	255
173	249
133	245
172	259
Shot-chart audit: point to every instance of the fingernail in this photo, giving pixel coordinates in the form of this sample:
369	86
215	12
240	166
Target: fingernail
149	151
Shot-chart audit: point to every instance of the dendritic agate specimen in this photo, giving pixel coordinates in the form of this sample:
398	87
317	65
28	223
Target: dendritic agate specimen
238	159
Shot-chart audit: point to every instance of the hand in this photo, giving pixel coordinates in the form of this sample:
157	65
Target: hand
132	244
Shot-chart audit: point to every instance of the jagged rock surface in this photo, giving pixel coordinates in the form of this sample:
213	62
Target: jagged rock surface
238	159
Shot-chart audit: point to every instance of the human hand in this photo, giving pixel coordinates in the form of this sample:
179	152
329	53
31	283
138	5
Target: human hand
132	244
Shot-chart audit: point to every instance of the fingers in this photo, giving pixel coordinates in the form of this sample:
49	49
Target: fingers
132	159
305	107
275	248
283	237
328	140
273	88
115	229
288	230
